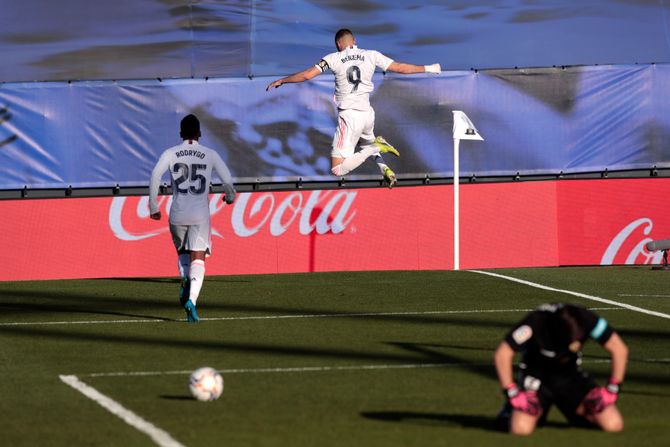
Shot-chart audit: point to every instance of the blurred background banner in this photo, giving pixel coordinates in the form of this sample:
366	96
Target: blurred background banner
536	121
130	39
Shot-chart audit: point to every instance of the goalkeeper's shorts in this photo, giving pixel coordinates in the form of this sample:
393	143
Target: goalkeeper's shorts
566	390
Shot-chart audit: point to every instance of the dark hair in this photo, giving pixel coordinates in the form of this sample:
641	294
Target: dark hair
341	33
573	320
190	127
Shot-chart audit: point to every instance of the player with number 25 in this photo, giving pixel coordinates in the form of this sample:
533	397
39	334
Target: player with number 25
190	165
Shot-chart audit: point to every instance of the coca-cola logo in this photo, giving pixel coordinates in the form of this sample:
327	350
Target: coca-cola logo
128	223
626	237
328	212
316	212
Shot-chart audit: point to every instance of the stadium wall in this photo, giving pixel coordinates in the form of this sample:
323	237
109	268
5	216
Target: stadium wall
521	224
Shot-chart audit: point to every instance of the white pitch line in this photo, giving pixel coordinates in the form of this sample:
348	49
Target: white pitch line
290	369
281	317
55	323
577	294
159	436
326	368
656	360
635	295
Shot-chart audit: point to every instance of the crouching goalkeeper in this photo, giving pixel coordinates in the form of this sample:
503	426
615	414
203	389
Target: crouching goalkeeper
550	340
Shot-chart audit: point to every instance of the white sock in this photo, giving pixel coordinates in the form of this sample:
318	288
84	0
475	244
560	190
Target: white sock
184	264
197	277
351	163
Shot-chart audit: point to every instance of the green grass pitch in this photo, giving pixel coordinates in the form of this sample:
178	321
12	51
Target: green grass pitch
327	359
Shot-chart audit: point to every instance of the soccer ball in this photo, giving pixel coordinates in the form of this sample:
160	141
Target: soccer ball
206	384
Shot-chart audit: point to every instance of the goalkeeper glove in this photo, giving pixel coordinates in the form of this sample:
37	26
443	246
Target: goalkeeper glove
434	68
602	397
229	194
521	400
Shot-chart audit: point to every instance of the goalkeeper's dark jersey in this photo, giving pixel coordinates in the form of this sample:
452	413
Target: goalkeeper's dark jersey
551	337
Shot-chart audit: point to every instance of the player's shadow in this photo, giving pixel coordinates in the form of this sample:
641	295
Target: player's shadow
19	307
175	397
211	279
436	419
55	302
140	279
479	422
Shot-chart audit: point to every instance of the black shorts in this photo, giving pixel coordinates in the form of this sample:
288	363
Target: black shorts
566	391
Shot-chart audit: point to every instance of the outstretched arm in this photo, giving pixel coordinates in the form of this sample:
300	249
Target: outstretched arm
302	76
400	67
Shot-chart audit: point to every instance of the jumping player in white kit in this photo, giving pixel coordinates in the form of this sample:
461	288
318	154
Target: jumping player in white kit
353	68
190	165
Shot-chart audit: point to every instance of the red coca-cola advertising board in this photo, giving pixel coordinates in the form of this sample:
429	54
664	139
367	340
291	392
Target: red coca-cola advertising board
610	221
502	225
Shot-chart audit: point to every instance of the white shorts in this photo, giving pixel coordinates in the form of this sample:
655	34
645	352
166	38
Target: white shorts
352	126
192	237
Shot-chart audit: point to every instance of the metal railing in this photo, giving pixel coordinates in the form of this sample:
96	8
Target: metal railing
300	184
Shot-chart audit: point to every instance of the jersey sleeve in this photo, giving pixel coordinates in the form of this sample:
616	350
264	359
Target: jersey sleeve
595	326
322	65
162	165
382	61
519	337
326	63
221	168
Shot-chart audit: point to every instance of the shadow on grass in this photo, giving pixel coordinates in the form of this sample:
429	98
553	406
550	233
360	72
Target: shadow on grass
212	279
313	350
24	307
68	301
166	280
176	397
489	423
435	419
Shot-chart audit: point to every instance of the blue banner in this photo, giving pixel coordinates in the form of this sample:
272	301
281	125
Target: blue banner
534	121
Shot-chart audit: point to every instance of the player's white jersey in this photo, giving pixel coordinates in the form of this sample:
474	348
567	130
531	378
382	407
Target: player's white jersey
353	69
190	165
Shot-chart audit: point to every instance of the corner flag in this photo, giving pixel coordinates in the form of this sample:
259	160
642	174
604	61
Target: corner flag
463	127
463	130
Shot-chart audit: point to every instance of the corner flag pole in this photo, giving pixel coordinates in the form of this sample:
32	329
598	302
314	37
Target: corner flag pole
463	130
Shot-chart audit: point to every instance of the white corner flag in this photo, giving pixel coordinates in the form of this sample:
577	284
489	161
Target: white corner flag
463	127
463	130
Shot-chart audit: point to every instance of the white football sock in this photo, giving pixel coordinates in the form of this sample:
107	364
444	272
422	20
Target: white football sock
351	163
197	277
184	264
